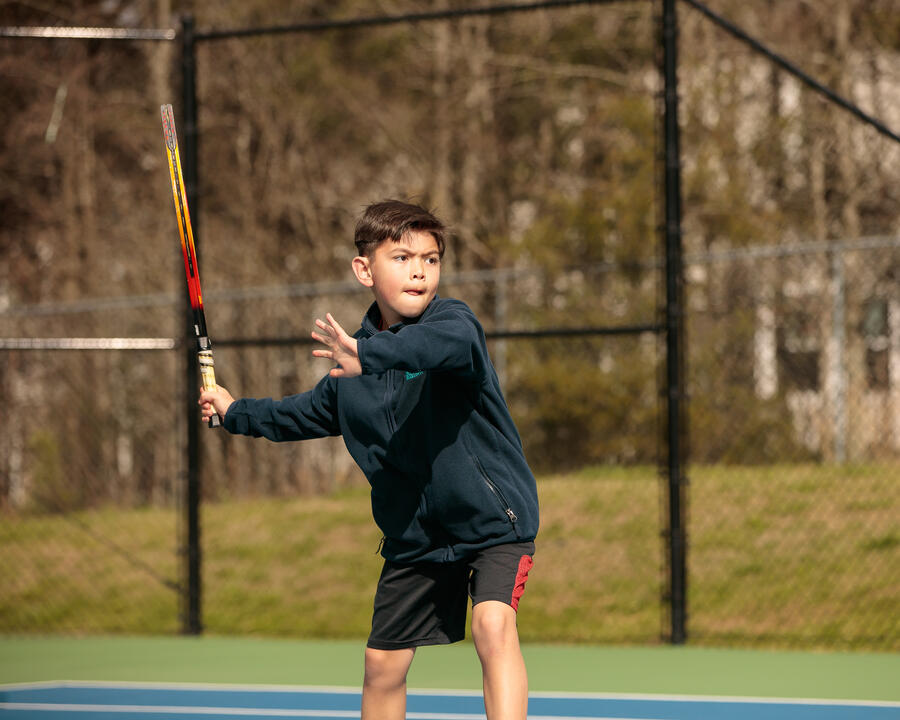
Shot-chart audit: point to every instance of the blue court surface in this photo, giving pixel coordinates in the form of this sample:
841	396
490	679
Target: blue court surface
121	701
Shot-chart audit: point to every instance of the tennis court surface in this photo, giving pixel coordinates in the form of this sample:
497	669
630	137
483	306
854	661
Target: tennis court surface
123	701
114	678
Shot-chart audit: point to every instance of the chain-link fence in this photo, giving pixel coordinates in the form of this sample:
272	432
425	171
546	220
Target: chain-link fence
793	301
534	135
794	496
91	491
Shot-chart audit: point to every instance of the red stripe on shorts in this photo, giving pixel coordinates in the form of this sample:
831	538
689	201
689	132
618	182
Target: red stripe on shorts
525	564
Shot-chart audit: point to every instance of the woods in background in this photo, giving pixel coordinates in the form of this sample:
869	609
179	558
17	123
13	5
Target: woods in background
536	136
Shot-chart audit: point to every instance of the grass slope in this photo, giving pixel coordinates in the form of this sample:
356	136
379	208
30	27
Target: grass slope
799	556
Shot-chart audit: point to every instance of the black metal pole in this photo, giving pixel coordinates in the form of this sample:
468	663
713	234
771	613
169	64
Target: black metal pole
191	616
676	535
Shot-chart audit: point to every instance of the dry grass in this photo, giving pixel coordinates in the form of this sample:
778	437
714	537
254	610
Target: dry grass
800	556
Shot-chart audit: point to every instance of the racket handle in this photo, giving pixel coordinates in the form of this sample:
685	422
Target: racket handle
208	376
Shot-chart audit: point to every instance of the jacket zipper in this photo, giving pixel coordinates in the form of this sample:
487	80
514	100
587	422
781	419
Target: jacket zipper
388	398
496	491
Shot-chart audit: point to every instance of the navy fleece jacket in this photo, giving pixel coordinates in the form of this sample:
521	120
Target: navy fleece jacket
427	423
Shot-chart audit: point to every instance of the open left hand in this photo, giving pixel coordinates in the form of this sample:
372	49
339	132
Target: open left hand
341	348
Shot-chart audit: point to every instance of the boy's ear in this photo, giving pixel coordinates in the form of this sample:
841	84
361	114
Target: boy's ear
363	270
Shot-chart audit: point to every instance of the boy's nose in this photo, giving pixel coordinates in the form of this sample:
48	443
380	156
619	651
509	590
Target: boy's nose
417	269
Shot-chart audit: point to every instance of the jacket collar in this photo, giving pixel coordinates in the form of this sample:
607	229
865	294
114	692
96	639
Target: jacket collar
371	323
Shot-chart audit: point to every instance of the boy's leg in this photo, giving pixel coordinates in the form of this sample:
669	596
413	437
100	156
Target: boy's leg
496	584
419	604
503	667
384	684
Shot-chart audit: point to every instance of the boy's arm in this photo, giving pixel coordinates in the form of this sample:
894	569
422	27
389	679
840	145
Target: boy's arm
451	339
312	414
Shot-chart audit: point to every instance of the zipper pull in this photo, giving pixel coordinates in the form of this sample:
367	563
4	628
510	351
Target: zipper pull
380	545
511	514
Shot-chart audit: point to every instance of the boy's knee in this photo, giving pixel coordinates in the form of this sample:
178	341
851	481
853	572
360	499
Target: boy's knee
387	668
494	627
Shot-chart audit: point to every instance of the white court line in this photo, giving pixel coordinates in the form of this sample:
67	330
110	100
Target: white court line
714	699
224	687
34	685
266	712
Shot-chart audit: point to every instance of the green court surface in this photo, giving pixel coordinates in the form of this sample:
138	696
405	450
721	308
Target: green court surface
657	670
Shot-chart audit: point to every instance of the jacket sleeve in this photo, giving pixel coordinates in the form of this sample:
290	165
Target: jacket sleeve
312	414
451	340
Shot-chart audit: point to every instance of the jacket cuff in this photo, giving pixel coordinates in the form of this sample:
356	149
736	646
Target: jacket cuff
230	421
361	356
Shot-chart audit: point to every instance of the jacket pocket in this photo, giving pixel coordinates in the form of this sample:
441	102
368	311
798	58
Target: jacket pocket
496	492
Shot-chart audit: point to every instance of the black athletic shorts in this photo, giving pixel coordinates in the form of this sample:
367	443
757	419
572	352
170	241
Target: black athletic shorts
425	603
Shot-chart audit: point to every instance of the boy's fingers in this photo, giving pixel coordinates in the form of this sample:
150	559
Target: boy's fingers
326	326
324	340
335	324
325	330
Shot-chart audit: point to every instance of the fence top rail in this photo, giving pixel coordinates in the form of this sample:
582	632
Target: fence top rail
111	33
399	19
88	33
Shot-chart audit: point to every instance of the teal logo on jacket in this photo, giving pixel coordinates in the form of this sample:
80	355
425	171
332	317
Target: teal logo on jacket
411	375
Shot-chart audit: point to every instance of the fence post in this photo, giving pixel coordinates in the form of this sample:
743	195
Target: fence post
675	533
836	383
191	623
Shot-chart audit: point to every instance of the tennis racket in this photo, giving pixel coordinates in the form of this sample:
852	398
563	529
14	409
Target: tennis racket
204	347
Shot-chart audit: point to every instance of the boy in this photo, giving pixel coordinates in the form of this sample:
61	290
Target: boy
416	398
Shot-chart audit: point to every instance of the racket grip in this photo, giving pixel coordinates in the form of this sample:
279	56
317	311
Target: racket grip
208	377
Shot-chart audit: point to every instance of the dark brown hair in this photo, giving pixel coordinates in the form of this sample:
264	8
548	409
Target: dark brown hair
391	220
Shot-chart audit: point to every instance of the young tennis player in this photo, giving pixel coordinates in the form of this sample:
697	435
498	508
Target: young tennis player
416	399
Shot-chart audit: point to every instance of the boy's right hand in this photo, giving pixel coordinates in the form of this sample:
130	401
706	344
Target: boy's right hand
214	402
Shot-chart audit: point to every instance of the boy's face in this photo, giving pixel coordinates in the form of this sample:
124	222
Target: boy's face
403	275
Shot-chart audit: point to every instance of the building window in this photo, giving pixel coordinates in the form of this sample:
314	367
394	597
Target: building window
874	330
799	349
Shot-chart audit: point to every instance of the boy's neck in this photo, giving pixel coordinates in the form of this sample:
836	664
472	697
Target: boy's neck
385	322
